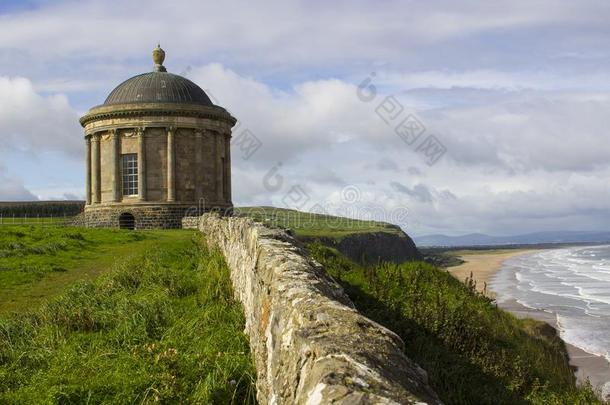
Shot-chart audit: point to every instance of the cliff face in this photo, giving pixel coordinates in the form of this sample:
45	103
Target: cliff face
372	247
363	241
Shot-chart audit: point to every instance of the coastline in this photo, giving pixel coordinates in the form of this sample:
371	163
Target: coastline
593	366
484	265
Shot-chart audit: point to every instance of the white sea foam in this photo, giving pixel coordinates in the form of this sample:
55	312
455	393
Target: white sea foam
572	283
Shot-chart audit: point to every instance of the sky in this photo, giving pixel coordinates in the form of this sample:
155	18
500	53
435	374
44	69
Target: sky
446	117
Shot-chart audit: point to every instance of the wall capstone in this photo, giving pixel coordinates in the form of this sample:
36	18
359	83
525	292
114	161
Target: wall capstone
310	344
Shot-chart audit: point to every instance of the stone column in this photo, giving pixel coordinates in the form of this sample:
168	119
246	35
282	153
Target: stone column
95	169
141	164
198	165
88	163
228	167
220	158
116	171
171	165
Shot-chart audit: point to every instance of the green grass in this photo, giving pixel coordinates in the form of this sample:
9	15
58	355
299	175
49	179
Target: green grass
310	225
38	262
473	352
160	327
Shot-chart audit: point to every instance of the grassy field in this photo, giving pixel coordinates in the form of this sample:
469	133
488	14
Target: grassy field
159	326
474	352
38	262
309	225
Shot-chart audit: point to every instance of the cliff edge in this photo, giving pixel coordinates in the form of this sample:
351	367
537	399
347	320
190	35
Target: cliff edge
367	242
373	247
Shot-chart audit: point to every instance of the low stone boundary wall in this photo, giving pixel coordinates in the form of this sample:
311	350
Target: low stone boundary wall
309	343
146	216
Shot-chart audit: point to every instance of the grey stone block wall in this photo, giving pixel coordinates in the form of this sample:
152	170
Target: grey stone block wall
146	216
311	346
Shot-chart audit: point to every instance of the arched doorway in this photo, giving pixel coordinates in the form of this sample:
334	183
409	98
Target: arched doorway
127	221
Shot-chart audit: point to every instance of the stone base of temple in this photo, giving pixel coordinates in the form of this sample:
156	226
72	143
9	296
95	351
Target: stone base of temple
143	216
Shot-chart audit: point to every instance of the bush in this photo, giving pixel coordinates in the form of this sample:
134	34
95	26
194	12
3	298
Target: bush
473	352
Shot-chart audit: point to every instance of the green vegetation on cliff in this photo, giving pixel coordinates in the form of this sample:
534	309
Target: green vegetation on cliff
159	326
310	225
363	241
474	353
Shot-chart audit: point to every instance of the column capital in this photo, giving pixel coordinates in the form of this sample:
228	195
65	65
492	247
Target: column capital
171	129
112	132
139	130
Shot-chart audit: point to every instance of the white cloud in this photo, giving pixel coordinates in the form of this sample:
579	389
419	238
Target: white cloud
547	79
526	161
32	128
12	189
278	35
36	123
517	91
309	115
528	131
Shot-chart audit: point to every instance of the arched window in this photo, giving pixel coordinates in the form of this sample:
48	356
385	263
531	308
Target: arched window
127	221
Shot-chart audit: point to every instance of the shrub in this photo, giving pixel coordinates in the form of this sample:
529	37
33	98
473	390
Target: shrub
473	352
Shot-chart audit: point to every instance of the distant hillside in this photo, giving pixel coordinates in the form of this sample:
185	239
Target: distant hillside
361	241
478	239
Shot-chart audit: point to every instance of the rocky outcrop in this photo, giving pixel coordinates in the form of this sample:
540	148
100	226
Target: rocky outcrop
310	344
373	247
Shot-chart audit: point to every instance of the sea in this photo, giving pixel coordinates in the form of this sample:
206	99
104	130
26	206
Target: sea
573	284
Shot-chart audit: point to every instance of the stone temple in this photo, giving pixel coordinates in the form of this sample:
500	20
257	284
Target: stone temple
158	149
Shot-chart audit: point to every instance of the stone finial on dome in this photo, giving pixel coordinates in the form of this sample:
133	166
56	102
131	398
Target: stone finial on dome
158	56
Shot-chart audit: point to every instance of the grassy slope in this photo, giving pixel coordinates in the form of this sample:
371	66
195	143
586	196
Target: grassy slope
160	326
474	352
310	225
149	330
38	262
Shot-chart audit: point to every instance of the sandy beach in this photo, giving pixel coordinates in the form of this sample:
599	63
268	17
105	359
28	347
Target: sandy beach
484	264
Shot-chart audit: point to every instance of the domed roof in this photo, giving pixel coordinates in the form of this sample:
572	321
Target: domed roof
158	87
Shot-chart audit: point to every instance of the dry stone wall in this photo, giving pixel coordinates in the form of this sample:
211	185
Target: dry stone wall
310	344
